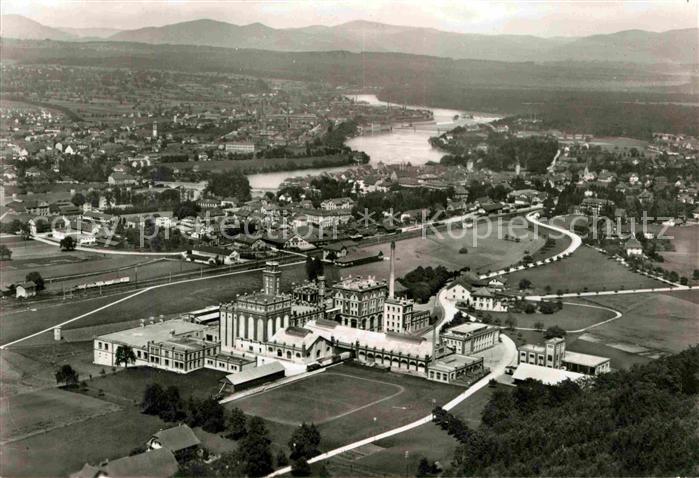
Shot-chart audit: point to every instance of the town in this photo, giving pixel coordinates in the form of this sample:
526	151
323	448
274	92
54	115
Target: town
229	272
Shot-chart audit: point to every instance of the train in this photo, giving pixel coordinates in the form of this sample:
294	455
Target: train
104	283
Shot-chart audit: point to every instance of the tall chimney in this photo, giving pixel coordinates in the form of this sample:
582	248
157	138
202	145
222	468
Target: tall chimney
321	289
392	275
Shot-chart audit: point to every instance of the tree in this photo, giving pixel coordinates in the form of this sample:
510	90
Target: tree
300	467
695	274
254	449
314	268
78	199
546	307
511	322
67	375
538	325
25	231
5	252
68	243
212	416
229	183
304	442
153	399
554	331
236	425
35	277
125	355
424	468
282	460
525	284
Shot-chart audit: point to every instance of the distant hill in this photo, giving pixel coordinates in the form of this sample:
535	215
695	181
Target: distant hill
637	46
678	46
17	26
85	33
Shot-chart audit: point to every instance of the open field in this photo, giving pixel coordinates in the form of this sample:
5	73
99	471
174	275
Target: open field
387	457
652	324
417	400
73	421
31	367
164	300
29	413
571	317
23	249
65	450
129	384
490	251
586	269
685	258
318	397
57	267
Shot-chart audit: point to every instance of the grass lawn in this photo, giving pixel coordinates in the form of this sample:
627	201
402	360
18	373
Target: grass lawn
685	258
486	250
318	394
414	402
664	322
586	269
129	384
65	450
165	300
428	441
46	409
571	317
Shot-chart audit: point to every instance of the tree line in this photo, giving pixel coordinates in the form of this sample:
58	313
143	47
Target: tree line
637	422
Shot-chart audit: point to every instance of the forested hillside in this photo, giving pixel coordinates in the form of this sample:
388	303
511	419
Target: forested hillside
638	422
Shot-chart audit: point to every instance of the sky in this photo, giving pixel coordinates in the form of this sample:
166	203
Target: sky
531	17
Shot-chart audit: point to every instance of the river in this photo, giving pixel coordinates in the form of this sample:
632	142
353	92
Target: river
401	145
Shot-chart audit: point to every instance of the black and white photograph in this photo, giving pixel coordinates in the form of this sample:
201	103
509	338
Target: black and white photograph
349	238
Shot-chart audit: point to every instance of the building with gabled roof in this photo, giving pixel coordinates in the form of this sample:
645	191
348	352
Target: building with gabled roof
159	463
176	439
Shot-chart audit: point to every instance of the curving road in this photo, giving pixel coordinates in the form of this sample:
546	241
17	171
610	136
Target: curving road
533	217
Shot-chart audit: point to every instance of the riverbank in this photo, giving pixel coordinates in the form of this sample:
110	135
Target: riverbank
268	165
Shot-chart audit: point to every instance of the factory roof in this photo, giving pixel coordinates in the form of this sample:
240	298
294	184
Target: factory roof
156	332
546	375
389	342
584	359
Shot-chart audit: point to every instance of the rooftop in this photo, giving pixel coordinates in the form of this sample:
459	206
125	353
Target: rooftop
396	343
468	328
453	362
177	438
546	375
157	332
584	359
359	283
254	373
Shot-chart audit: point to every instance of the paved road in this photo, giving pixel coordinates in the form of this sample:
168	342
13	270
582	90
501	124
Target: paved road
533	217
508	358
678	288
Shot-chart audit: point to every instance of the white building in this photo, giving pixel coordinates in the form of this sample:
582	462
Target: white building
175	345
240	147
488	300
470	338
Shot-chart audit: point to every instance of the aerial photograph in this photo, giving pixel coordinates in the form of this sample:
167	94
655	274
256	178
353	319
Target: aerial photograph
349	238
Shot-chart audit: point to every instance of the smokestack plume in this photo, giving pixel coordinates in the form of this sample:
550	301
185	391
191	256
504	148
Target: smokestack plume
392	275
